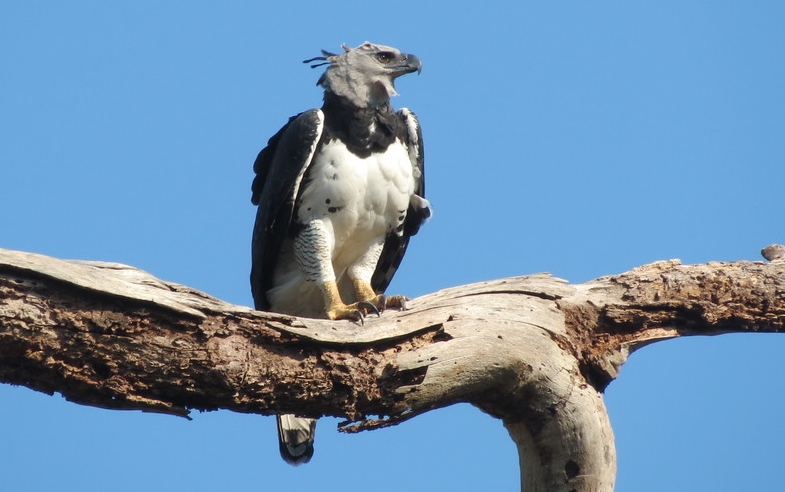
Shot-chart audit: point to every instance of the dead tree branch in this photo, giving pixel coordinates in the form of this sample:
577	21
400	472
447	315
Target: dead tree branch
533	351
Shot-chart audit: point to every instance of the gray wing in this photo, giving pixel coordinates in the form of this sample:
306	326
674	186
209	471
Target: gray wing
419	208
279	169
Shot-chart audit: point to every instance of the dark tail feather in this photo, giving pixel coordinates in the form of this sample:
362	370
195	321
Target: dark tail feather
295	438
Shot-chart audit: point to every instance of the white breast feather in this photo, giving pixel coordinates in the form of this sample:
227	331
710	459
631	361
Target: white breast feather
360	201
362	198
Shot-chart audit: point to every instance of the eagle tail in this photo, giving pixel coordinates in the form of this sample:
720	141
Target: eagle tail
295	438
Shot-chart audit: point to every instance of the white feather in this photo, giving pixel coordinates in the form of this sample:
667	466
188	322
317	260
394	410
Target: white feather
358	202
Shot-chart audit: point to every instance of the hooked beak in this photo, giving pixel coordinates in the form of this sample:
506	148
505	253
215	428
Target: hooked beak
410	63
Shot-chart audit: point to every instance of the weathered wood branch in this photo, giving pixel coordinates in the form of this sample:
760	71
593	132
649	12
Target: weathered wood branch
533	351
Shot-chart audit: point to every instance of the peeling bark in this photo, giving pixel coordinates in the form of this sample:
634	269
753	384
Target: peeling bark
533	351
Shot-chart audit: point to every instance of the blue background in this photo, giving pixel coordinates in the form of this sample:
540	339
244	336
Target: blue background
579	138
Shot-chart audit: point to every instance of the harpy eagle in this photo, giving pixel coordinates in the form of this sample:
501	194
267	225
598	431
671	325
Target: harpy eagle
340	191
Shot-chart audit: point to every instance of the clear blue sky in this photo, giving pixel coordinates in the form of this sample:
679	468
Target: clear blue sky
580	138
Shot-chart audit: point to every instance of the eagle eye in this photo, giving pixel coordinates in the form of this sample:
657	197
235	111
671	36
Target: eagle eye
384	57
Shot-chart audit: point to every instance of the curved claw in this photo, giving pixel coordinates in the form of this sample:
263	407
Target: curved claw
369	307
346	312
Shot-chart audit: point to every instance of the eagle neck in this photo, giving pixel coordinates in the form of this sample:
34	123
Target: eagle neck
363	130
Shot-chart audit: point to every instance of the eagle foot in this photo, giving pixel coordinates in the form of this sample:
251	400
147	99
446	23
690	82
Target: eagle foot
355	312
397	301
382	302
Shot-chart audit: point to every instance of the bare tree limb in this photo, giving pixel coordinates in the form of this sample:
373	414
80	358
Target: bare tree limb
533	351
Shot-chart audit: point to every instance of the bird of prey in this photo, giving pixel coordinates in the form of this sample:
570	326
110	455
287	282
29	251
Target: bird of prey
340	190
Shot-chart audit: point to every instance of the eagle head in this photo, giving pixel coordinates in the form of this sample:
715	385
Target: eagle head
365	75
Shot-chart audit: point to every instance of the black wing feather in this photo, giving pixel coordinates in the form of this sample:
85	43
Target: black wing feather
278	168
395	246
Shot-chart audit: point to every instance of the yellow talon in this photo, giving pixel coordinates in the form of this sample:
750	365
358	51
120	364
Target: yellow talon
367	302
366	293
